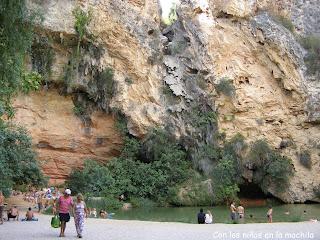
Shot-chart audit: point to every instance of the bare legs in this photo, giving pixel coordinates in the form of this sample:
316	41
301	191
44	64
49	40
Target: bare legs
62	229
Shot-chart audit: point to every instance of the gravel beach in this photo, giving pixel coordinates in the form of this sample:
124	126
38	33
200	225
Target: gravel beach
100	229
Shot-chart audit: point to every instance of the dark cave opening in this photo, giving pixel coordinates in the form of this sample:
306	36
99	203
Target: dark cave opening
252	191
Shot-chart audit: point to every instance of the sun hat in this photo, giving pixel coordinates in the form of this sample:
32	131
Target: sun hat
67	191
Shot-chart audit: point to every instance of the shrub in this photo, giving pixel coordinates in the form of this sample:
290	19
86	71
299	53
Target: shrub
82	20
305	158
224	179
270	168
144	170
200	117
93	179
18	164
225	87
103	203
312	59
31	81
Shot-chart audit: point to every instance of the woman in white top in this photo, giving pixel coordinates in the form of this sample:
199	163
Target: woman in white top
208	219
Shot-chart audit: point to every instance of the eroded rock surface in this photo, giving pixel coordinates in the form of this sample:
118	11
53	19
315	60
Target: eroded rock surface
162	74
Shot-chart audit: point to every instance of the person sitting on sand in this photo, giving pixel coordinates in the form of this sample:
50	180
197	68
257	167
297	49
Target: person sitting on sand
13	213
30	215
103	213
208	217
269	214
201	217
93	212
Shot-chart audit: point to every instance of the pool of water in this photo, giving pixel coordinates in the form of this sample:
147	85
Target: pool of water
281	213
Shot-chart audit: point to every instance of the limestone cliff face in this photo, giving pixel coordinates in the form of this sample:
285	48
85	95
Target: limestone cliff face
274	98
60	138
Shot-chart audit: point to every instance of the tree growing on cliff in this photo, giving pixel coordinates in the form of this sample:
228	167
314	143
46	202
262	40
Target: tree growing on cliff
16	34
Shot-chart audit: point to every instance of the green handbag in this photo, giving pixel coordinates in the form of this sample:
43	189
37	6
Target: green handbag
55	221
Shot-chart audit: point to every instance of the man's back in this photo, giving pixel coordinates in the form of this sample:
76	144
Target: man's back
29	215
201	218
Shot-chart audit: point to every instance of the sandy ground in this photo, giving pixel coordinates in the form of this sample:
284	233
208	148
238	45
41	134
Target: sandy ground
97	229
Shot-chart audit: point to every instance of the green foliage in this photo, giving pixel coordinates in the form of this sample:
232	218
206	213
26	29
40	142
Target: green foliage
103	203
194	192
79	110
144	170
42	56
106	82
31	82
305	158
16	34
128	80
226	87
270	168
284	21
82	20
225	177
200	118
312	59
18	164
142	202
92	179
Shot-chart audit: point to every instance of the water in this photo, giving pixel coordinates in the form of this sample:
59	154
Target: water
221	214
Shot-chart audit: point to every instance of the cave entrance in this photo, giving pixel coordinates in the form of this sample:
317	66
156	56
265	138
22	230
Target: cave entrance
251	195
251	191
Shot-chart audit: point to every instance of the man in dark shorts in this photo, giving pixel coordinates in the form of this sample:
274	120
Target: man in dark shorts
65	203
13	213
233	211
201	217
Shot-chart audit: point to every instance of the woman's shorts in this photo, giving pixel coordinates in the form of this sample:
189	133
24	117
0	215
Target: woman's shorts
64	217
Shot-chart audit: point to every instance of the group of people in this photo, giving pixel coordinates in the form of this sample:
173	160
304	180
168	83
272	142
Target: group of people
205	218
236	213
64	205
13	212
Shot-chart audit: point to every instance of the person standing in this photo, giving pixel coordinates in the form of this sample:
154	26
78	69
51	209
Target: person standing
1	207
65	203
240	211
233	211
201	217
269	214
80	212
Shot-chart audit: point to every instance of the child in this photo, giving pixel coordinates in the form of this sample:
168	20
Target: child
269	215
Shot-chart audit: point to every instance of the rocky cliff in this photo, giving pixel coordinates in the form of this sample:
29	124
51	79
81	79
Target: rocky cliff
164	75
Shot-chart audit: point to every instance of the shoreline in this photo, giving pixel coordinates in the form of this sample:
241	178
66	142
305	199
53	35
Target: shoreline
97	229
